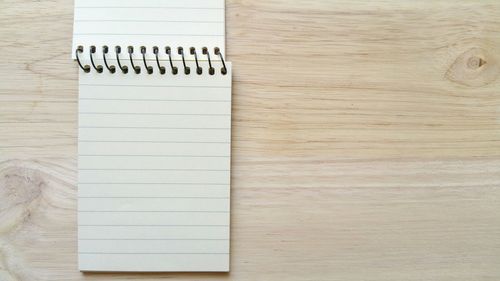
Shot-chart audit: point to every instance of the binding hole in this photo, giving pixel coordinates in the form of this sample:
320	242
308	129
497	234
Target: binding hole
180	51
98	68
123	68
148	68
105	50
85	68
223	70
137	69
161	68
174	68
211	70
199	70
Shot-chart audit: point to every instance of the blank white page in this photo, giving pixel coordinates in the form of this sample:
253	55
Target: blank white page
174	23
154	171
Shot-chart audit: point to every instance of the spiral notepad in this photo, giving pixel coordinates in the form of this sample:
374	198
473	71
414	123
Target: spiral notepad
154	139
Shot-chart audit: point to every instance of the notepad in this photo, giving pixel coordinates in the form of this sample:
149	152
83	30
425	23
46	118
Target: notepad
154	140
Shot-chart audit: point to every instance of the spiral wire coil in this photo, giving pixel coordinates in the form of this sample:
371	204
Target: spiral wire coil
149	68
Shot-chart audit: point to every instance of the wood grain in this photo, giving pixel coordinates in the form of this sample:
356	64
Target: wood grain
366	141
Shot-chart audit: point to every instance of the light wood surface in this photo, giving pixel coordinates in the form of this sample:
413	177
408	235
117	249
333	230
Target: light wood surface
366	141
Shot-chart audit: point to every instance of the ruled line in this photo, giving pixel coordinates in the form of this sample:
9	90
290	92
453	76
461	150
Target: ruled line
153	239
142	141
155	86
111	211
144	183
151	197
148	7
183	21
139	99
158	169
155	155
164	128
154	114
129	183
136	253
152	34
157	225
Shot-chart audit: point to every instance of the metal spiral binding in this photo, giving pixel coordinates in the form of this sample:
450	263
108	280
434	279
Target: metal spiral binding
123	68
192	54
199	70
98	68
136	68
161	68
169	53
85	68
111	68
148	68
187	70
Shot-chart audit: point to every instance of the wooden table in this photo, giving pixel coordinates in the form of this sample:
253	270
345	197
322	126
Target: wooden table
366	141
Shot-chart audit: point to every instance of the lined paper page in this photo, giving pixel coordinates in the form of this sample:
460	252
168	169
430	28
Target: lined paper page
185	23
154	171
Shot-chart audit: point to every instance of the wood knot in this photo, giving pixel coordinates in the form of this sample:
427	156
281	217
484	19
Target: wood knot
475	62
474	68
19	188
